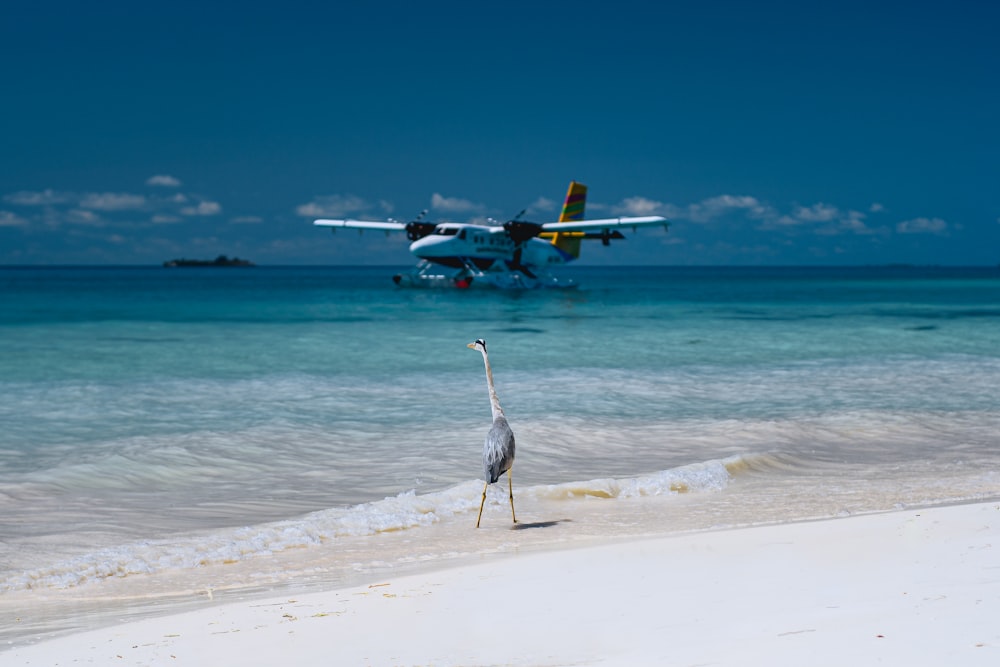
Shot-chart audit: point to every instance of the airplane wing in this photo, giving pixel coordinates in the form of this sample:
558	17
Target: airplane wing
548	227
362	224
605	223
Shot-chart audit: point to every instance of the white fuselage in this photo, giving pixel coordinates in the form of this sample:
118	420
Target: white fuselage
454	244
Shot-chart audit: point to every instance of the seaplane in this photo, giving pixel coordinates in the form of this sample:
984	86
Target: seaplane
517	254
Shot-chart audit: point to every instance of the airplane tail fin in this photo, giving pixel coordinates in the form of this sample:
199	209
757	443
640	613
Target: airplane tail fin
572	210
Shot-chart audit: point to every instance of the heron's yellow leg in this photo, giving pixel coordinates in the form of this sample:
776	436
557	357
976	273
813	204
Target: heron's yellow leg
510	487
483	502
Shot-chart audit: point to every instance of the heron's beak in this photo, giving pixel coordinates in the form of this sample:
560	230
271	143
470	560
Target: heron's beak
471	346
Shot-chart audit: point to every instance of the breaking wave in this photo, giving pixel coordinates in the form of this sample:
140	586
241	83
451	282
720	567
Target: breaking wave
402	512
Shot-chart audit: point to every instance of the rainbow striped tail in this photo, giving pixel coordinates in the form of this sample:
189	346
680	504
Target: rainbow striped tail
576	199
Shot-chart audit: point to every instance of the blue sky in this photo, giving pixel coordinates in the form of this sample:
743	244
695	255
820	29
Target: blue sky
768	132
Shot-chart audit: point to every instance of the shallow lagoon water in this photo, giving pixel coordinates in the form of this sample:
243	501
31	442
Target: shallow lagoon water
172	432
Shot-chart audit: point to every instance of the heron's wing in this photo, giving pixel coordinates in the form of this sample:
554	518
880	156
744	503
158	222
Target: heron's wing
498	450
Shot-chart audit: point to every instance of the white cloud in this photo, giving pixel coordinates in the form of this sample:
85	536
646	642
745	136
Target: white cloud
43	198
714	207
317	210
542	204
704	211
55	209
334	206
854	221
80	217
639	206
8	219
780	221
163	180
816	213
876	208
112	201
923	226
203	208
246	220
822	219
839	223
454	204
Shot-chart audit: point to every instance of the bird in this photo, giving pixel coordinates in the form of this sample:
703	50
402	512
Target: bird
498	450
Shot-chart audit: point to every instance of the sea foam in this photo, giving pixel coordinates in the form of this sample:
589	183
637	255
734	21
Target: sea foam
405	511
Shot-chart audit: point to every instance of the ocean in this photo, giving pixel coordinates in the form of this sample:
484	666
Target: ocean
171	438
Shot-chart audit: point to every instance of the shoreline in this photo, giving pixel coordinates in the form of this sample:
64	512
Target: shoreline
912	586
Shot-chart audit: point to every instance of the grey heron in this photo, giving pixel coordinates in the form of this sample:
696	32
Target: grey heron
498	450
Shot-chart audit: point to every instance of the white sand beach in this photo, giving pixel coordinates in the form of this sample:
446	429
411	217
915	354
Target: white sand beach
912	587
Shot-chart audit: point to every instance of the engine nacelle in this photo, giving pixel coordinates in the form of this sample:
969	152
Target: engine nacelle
521	230
417	230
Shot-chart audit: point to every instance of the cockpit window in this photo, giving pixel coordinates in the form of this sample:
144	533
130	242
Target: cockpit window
461	235
446	231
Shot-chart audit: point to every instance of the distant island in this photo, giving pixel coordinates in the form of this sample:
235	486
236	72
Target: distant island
221	260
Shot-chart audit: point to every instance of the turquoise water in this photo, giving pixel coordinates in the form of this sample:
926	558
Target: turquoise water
163	423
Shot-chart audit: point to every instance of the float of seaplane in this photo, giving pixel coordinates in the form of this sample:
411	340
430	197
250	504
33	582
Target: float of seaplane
517	254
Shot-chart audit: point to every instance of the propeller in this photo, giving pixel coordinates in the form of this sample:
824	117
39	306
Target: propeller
518	266
520	232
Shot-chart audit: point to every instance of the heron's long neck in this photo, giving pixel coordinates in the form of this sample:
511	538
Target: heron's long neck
494	401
